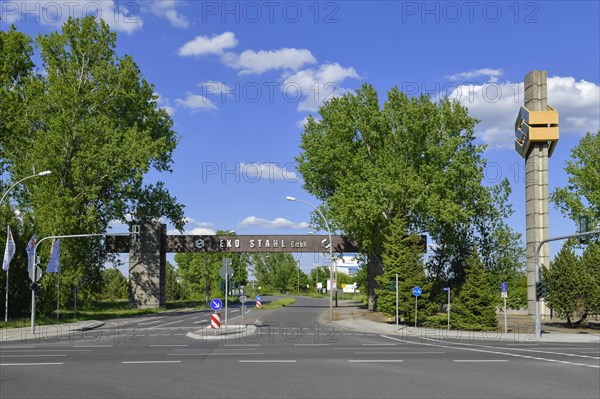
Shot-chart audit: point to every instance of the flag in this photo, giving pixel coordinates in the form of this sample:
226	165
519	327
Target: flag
54	264
30	247
9	251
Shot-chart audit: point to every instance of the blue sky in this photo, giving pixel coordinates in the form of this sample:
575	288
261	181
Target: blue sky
239	78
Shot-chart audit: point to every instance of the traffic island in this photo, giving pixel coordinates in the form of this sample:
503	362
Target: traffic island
235	331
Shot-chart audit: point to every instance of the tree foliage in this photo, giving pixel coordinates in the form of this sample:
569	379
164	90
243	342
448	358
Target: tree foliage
93	120
403	255
582	195
114	284
277	271
475	306
574	283
412	159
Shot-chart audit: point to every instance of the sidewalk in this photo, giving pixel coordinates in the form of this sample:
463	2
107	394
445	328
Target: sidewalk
353	316
51	332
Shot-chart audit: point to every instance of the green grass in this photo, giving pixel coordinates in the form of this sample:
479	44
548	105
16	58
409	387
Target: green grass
279	303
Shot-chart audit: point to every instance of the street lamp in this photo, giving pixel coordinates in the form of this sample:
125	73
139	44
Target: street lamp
44	173
331	274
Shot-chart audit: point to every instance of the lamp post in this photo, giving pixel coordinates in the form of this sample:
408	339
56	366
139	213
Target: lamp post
331	273
44	173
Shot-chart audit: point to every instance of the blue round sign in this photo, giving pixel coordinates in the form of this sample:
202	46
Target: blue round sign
417	291
216	304
258	297
503	287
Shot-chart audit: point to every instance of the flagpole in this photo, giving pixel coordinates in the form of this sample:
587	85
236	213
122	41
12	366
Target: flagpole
6	302
58	296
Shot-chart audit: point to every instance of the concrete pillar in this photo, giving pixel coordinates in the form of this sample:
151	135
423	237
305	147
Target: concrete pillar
536	187
147	264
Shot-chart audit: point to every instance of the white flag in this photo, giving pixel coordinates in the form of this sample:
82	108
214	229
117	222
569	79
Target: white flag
30	247
54	263
9	251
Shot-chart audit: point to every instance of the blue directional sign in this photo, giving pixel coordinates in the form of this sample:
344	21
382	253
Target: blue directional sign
503	287
258	298
446	288
216	304
417	291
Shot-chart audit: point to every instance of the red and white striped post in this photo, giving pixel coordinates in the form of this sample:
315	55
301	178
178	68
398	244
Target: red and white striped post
258	304
215	321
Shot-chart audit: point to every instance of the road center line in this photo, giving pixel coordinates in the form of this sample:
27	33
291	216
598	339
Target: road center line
311	344
216	354
379	344
481	361
158	346
494	352
166	324
398	353
92	346
29	364
40	355
266	361
152	362
376	361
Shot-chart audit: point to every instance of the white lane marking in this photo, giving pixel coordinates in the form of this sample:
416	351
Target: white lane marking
92	346
379	344
40	355
29	364
365	349
358	334
595	353
311	344
201	322
178	334
166	324
16	347
376	361
242	344
495	353
158	346
52	350
216	354
266	361
152	362
481	361
517	349
397	353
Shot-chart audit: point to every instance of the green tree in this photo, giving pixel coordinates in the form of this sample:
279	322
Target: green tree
114	284
572	288
475	306
403	255
412	159
590	262
174	287
582	195
94	121
277	271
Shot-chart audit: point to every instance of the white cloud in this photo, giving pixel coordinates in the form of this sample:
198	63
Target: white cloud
194	227
257	62
317	85
168	9
211	87
493	74
202	45
195	102
277	223
497	104
268	171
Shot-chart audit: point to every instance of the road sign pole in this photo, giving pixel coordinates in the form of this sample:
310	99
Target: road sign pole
505	323
416	299
448	308
226	292
397	325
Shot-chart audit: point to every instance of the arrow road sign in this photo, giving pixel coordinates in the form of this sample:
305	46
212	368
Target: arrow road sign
503	287
258	297
216	304
417	291
243	299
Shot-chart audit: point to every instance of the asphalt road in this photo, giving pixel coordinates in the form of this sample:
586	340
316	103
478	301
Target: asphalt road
293	354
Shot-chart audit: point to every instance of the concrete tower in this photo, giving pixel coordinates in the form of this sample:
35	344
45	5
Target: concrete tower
536	131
